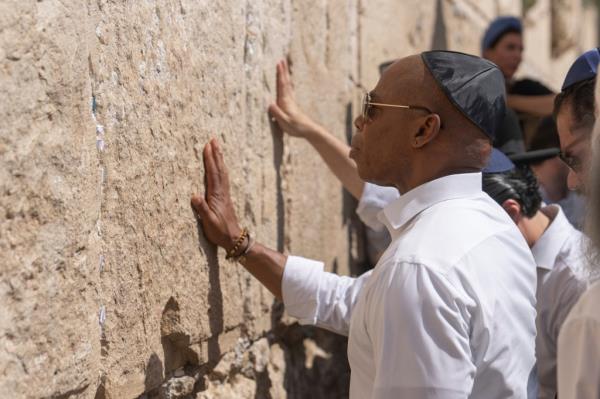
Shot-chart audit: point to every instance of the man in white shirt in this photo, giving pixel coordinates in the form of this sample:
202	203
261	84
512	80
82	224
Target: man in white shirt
579	338
558	252
449	310
556	245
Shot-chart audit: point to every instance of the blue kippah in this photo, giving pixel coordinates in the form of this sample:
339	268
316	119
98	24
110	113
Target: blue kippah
498	163
497	28
584	68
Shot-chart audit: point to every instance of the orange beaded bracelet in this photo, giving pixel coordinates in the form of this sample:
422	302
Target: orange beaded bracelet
232	253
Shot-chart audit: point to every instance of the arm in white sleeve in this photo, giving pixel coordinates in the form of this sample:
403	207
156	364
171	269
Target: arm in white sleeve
420	335
373	199
316	297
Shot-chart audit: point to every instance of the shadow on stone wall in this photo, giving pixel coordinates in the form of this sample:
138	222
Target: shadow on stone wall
277	135
308	373
439	40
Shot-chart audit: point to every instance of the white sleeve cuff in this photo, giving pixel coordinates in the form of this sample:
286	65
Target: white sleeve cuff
300	286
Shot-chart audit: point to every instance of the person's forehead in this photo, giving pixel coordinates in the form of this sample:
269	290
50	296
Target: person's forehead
570	130
512	37
509	39
398	80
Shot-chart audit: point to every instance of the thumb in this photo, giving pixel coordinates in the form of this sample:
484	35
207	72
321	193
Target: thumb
200	206
278	113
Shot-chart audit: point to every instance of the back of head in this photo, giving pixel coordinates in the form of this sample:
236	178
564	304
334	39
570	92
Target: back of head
580	98
578	88
519	185
470	98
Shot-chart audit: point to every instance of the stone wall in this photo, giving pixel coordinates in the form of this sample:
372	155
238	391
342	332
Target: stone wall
108	288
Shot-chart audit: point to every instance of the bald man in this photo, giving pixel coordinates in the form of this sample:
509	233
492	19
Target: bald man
449	310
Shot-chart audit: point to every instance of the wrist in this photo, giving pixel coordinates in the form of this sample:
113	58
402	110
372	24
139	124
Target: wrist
239	245
231	239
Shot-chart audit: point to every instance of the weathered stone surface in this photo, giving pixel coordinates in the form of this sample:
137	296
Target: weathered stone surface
108	288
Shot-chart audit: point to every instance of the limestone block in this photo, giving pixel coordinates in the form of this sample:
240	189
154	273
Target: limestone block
49	204
390	30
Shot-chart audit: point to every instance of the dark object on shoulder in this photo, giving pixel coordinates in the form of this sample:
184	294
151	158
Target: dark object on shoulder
528	87
498	163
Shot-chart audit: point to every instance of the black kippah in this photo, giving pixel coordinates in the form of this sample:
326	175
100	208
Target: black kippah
474	85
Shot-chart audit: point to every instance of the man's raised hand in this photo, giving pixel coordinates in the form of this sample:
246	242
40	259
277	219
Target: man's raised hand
286	112
215	208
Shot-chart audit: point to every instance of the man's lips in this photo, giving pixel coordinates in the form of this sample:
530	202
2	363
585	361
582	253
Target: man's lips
353	151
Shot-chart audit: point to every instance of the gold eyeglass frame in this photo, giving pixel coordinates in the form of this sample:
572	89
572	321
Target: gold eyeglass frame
366	103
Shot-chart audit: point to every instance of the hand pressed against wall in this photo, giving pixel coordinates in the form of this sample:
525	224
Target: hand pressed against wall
289	116
220	224
215	209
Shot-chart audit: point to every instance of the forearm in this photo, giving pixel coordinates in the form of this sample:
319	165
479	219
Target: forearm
266	265
535	105
335	153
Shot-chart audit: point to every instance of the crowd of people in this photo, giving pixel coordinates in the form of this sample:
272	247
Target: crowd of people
475	186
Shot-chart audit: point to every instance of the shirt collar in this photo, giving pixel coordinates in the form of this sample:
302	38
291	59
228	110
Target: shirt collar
400	211
548	246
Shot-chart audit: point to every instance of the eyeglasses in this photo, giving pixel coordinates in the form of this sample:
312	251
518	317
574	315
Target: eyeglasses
367	107
576	162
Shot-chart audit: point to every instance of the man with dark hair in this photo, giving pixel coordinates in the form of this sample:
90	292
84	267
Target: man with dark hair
574	111
557	248
578	349
449	310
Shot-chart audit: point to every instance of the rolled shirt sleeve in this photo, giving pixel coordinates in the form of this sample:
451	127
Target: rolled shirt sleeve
316	297
420	337
374	198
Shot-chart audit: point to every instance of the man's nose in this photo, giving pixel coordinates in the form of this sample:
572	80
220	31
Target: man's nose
573	180
359	122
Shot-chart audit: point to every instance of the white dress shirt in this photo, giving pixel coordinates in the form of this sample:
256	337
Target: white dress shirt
579	349
559	257
558	254
449	310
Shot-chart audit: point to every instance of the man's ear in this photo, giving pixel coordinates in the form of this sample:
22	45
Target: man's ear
513	208
427	131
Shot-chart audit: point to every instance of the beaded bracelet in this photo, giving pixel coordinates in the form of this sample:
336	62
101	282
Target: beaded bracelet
242	257
238	242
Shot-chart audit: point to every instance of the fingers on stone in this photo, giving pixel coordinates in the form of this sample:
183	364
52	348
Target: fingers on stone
286	73
280	79
277	112
199	205
220	161
210	168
